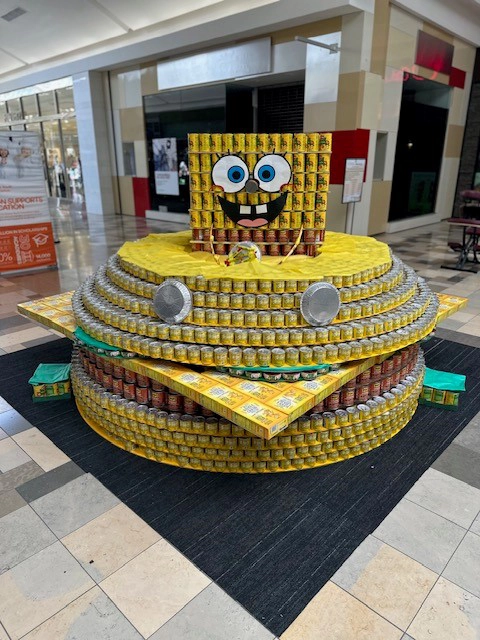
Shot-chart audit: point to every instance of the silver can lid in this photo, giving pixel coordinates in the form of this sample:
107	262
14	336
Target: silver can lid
172	301
320	303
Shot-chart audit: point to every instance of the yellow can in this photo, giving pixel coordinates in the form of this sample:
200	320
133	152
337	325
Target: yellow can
238	143
263	198
296	222
205	162
309	219
313	142
284	220
227	143
323	182
205	142
299	181
273	142
311	182
207	201
251	142
193	142
205	182
194	162
288	202
309	201
195	219
297	202
286	142
195	182
289	158
325	142
319	219
299	142
218	219
241	197
321	202
216	142
324	163
196	200
311	162
299	162
206	219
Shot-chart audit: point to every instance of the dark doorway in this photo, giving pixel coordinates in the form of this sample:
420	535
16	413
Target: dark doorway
420	142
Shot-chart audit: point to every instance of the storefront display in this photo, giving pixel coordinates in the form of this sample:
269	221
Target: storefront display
288	359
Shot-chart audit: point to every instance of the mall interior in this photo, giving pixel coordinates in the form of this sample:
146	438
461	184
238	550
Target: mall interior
97	543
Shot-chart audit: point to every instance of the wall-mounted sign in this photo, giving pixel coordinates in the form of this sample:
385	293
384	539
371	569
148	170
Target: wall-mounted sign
165	163
353	182
26	236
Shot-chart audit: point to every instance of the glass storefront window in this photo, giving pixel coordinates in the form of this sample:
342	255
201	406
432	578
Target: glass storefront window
30	107
65	100
72	157
55	159
3	111
47	103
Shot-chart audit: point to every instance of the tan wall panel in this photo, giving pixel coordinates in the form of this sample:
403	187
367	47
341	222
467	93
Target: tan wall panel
438	33
149	80
453	146
350	100
372	101
132	124
381	24
307	30
401	49
458	107
379	206
127	201
405	21
320	116
463	55
336	211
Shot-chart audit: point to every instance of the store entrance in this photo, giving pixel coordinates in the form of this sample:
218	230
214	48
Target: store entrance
420	142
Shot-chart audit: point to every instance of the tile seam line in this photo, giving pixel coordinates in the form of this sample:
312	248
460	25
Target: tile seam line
368	607
439	514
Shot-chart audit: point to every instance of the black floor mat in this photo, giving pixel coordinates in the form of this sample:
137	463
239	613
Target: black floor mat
271	541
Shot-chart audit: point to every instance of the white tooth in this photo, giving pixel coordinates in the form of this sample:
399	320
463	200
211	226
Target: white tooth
245	209
262	208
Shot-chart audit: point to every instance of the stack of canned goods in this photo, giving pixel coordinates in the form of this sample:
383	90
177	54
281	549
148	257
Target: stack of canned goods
308	155
184	434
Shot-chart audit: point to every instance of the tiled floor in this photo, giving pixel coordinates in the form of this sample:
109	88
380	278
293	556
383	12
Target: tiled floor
77	563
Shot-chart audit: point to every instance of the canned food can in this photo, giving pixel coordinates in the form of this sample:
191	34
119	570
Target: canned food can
205	162
227	142
196	200
299	162
107	381
299	142
174	402
257	235
117	386
286	142
322	182
129	390
309	219
313	142
216	142
298	182
193	142
284	221
205	142
141	395
238	143
273	142
325	142
324	163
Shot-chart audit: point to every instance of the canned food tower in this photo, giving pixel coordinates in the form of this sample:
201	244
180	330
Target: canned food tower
261	312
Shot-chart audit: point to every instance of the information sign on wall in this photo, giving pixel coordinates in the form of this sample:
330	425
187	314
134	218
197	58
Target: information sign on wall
165	164
26	235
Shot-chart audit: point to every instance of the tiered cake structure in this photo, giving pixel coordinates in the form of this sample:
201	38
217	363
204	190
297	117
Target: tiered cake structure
304	357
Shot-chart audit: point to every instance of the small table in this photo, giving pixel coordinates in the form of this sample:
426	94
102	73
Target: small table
470	243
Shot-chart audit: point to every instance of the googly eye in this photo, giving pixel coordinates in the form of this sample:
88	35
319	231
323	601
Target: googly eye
272	172
230	173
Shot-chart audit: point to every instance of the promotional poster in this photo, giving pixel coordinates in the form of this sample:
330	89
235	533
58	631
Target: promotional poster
26	235
166	166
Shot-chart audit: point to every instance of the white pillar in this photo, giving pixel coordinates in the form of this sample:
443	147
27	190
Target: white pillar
92	111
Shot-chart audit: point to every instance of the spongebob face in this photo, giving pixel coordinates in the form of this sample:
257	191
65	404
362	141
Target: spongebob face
270	174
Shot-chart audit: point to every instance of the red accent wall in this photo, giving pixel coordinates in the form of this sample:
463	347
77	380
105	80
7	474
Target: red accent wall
141	196
347	144
457	78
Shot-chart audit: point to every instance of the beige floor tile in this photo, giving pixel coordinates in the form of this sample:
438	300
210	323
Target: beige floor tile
22	336
41	449
92	616
38	587
386	580
154	586
449	613
336	615
3	634
11	455
110	541
470	329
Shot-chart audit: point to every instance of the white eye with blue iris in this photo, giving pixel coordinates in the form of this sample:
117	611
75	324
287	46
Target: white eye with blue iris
272	172
230	173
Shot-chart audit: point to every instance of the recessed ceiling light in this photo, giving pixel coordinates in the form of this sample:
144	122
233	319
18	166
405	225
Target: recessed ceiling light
13	14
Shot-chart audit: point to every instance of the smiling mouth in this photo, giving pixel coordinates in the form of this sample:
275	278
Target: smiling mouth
255	215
